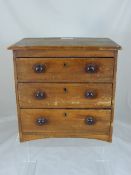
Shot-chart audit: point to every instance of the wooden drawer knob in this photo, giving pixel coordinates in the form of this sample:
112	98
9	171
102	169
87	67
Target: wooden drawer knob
41	121
91	68
90	120
39	95
90	94
39	68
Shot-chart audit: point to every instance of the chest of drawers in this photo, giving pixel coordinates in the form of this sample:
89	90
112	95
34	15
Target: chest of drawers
65	87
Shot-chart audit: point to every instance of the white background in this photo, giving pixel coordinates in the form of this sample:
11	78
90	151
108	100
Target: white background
65	18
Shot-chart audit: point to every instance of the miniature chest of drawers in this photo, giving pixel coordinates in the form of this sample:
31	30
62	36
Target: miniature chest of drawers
65	87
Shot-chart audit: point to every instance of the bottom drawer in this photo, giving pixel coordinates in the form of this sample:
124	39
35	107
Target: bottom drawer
65	122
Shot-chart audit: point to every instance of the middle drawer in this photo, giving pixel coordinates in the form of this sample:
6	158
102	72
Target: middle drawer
64	95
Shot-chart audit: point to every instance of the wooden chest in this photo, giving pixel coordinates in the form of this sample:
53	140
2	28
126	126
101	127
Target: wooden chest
65	87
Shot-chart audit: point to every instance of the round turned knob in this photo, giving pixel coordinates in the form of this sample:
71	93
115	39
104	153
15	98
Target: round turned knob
91	68
90	94
90	120
40	95
41	121
39	68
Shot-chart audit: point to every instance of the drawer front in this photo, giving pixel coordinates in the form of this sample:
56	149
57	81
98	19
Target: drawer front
65	69
75	121
64	95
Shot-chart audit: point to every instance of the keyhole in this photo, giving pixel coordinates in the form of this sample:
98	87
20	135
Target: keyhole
65	114
65	90
65	64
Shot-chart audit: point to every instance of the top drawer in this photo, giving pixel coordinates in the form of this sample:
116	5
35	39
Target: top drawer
64	69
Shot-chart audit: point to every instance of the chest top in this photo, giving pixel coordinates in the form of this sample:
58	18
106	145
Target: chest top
55	43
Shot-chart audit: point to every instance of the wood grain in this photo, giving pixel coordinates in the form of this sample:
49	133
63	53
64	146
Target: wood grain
65	83
73	122
17	100
48	43
34	136
56	97
113	96
65	70
58	53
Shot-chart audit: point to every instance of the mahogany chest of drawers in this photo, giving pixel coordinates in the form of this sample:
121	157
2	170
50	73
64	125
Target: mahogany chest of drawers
65	87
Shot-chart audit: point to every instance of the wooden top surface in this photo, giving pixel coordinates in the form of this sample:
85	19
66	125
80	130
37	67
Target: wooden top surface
65	42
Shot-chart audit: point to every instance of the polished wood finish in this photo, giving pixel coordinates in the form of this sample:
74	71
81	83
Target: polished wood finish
65	87
64	95
65	70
